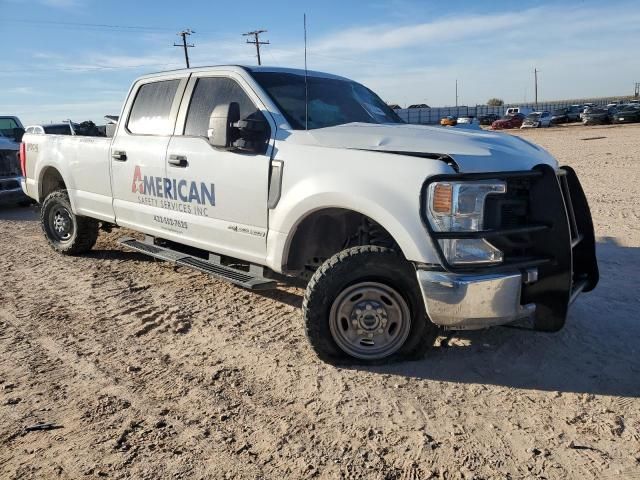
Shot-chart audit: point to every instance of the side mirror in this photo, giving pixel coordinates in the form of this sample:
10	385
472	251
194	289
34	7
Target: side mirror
222	132
253	134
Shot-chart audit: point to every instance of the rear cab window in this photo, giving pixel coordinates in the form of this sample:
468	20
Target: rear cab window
151	110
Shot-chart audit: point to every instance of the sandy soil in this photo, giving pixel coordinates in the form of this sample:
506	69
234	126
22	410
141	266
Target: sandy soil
156	372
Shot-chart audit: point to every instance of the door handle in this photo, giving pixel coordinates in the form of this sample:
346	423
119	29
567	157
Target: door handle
121	156
178	160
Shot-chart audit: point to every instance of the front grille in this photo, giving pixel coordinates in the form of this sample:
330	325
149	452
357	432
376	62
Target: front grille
9	163
542	221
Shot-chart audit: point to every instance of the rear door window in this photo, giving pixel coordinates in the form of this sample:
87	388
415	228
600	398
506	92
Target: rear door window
210	92
151	110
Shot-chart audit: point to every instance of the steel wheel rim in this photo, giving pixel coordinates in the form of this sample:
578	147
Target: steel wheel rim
370	320
61	223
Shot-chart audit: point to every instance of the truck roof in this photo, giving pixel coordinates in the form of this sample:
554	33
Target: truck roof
244	68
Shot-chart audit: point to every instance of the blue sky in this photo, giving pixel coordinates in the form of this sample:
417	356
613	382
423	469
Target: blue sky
56	63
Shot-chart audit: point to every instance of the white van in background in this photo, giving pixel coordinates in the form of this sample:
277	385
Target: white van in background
514	110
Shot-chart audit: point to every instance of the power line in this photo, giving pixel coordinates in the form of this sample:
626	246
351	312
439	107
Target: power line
256	41
90	25
184	34
88	68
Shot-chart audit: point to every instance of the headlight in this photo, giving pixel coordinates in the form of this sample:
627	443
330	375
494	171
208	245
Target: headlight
459	207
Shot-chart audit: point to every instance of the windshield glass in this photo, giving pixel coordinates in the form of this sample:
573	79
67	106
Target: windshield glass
533	116
6	127
331	101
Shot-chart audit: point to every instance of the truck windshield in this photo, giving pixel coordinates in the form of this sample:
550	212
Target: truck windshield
332	101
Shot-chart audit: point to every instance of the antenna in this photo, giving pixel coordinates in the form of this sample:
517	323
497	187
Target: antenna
306	84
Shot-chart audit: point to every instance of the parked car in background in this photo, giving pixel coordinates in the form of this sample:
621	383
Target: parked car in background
468	121
628	114
83	129
419	105
560	116
11	132
508	121
598	115
537	120
449	121
574	111
394	106
514	110
52	129
488	118
11	128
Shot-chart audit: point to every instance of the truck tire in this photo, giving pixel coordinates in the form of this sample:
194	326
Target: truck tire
364	305
66	232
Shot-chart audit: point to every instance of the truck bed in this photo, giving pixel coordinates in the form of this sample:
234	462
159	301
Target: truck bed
82	161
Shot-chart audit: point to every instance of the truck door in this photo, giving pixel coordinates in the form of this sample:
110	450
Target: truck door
220	195
139	149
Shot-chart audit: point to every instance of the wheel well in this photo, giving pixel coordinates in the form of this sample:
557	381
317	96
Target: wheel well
326	232
51	180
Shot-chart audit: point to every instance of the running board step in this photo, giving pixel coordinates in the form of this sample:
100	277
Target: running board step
237	277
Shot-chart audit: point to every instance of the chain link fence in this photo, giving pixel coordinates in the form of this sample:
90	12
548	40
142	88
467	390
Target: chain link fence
428	116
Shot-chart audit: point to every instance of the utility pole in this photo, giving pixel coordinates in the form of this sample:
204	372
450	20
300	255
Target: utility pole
456	93
184	34
256	41
637	91
535	75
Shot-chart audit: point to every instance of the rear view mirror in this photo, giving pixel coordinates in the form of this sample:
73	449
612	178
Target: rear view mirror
222	132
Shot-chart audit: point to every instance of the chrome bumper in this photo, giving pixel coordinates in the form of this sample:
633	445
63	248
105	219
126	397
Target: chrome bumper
471	302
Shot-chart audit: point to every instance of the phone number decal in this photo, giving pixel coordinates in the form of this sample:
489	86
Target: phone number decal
170	222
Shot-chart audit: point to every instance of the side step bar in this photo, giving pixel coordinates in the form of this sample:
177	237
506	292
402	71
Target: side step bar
235	276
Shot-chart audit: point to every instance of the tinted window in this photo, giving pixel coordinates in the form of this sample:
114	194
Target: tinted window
331	101
6	126
152	107
210	92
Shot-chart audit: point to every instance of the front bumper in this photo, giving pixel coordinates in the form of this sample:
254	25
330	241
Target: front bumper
11	190
543	226
470	302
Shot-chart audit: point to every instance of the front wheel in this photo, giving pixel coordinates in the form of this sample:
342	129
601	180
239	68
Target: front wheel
66	232
364	305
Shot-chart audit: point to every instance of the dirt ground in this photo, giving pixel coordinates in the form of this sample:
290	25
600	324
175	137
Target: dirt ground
152	371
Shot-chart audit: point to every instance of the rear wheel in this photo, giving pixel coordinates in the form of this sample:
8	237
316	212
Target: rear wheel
364	305
66	232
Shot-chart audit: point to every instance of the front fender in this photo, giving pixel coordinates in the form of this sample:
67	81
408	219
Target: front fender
391	210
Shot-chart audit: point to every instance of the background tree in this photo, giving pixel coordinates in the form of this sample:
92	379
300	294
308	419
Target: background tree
495	102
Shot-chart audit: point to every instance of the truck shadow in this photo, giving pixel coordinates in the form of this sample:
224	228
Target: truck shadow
597	352
19	214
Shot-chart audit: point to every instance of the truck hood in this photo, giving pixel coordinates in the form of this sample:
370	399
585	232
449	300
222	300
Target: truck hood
473	150
8	144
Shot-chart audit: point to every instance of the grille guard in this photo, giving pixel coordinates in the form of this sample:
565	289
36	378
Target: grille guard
562	241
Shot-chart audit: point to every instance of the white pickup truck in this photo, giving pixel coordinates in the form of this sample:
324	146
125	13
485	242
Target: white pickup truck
398	229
